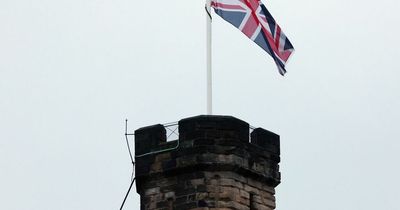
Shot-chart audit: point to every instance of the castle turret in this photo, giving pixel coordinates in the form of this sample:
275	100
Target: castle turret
217	163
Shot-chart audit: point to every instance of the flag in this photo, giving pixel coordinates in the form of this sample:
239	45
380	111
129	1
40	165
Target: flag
254	20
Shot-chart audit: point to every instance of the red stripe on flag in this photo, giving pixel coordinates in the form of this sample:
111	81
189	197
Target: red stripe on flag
268	35
226	6
250	27
278	36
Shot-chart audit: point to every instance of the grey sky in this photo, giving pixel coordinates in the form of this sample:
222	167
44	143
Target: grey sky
72	71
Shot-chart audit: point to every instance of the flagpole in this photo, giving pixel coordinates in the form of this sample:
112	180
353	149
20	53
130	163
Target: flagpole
208	48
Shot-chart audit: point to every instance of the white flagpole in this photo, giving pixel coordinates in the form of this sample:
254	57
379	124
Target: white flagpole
209	72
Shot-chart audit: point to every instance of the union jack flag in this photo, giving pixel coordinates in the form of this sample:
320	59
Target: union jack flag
254	20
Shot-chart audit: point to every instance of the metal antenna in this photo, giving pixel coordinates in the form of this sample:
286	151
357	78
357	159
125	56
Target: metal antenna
133	162
126	138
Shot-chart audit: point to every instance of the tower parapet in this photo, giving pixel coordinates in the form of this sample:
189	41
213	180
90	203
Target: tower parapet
216	163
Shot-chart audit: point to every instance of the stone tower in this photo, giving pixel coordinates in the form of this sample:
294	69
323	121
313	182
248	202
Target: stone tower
216	164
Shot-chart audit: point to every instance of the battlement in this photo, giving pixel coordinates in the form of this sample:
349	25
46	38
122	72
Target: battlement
153	138
208	147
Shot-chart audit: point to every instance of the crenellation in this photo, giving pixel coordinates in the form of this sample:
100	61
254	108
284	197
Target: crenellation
266	139
149	138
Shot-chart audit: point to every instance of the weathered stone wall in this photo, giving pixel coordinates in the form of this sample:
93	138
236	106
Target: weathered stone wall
212	166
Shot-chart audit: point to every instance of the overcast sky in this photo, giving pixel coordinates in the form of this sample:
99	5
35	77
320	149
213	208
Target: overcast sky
71	71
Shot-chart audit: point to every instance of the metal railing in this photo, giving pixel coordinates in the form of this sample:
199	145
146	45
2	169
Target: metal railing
251	129
172	130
